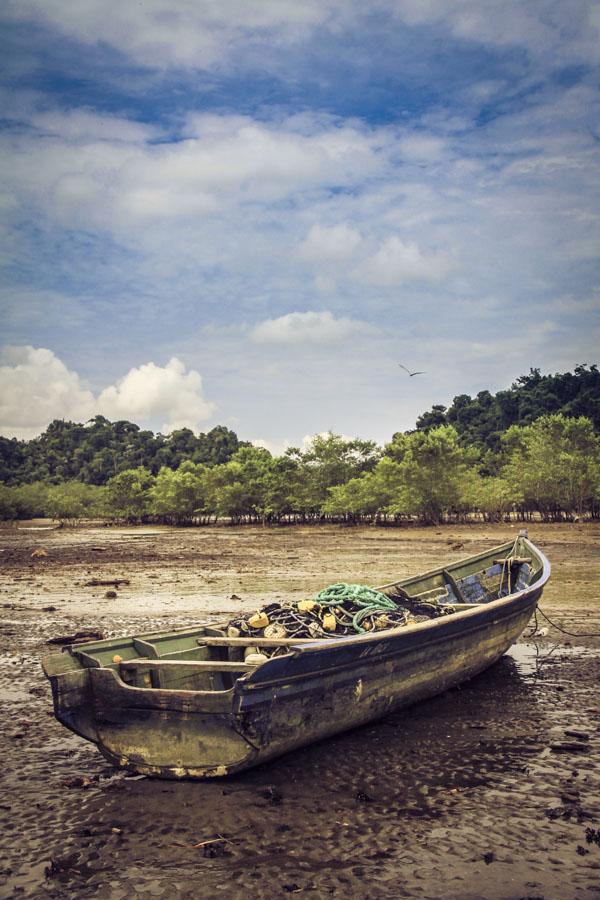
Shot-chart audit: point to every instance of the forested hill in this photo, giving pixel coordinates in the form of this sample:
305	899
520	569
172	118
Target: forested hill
481	421
96	451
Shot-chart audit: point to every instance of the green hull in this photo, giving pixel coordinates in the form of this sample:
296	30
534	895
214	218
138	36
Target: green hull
185	704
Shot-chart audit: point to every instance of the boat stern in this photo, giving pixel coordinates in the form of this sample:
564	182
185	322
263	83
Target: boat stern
168	733
71	693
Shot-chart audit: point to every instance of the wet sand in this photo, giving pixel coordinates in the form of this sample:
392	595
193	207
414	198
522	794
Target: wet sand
478	793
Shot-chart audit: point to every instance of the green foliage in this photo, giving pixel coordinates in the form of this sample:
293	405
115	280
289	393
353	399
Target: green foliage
554	465
434	471
178	496
244	484
489	455
30	500
128	494
12	458
493	496
482	420
331	460
74	500
95	452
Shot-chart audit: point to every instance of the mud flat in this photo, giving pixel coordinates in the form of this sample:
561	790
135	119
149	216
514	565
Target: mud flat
489	791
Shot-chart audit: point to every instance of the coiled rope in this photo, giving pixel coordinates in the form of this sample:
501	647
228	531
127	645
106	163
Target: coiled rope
368	601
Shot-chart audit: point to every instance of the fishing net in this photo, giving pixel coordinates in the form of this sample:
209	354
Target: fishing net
337	611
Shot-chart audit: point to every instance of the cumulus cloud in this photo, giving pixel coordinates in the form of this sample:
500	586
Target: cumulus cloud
156	232
333	243
399	261
275	448
36	387
307	328
150	391
548	28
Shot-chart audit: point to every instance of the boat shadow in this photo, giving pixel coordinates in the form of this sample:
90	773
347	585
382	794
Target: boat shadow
357	789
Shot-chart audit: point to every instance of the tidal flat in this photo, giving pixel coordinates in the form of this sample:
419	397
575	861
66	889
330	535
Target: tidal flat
491	790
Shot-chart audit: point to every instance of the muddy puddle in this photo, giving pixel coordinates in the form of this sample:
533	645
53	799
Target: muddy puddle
491	790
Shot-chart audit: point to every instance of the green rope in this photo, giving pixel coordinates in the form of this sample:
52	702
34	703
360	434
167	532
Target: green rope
367	599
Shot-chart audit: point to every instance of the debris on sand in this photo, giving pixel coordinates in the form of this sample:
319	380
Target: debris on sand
40	553
215	849
272	794
80	637
570	747
109	582
212	848
592	836
575	733
60	866
79	781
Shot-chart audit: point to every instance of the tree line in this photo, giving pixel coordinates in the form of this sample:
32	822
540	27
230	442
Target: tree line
96	451
550	467
481	421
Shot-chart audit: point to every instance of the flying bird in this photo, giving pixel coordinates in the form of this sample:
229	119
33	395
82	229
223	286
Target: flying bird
412	374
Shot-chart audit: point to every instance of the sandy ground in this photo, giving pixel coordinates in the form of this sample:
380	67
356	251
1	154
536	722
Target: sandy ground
479	793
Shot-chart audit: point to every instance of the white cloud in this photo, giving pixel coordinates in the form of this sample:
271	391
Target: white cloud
307	328
197	34
329	243
36	387
420	147
189	33
99	172
275	448
151	391
398	261
84	125
550	28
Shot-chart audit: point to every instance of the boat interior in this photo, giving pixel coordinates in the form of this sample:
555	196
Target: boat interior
204	658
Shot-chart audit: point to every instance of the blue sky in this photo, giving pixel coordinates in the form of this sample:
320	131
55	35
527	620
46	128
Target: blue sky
249	213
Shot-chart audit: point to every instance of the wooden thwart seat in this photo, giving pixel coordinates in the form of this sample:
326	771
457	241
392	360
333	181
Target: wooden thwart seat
199	665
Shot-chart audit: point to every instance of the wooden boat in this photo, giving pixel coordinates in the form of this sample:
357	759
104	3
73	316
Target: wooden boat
186	704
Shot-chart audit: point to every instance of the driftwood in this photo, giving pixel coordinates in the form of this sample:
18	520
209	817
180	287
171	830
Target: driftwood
98	582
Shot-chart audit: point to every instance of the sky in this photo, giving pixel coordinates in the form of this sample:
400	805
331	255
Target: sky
249	212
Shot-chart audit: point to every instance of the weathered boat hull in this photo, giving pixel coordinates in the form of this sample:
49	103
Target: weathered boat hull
315	691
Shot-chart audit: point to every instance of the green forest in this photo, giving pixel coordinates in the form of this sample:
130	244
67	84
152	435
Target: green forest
530	450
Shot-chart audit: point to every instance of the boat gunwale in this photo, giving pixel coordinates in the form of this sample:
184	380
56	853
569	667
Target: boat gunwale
251	680
244	682
478	608
430	626
191	629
